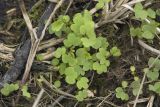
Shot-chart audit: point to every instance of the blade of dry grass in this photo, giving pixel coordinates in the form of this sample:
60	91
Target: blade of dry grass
40	94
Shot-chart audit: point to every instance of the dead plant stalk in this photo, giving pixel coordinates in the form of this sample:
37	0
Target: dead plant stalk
35	41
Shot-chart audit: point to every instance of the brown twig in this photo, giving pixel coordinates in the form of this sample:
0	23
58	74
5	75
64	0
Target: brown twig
151	100
38	98
49	43
27	20
120	10
104	100
43	45
142	100
7	57
5	32
47	55
5	49
109	103
145	46
70	3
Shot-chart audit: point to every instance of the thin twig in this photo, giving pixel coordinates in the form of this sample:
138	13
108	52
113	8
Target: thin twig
93	10
142	100
27	20
43	45
47	55
38	3
144	45
70	3
54	1
5	49
150	103
38	98
49	43
8	33
104	100
56	89
110	103
55	101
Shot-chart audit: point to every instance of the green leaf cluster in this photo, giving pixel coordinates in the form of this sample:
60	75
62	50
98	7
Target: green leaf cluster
135	85
72	40
39	57
71	75
82	51
82	83
155	88
57	83
59	52
9	88
154	62
146	30
120	93
83	24
101	3
59	26
141	13
115	51
132	69
124	84
158	12
82	95
25	92
153	72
